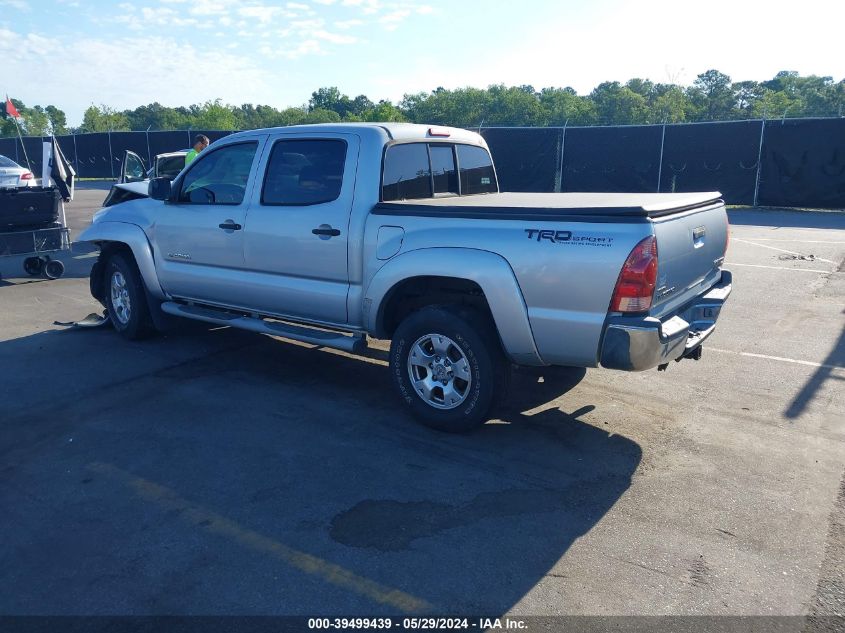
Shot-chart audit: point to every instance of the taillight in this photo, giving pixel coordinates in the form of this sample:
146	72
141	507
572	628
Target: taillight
27	175
727	239
635	286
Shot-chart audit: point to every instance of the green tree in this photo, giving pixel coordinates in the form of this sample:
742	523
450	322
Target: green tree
321	115
155	116
35	121
712	96
331	99
672	106
746	94
214	115
618	105
58	120
103	119
563	106
772	105
384	111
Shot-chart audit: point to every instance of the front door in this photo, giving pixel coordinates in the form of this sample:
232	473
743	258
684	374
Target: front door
131	168
198	235
296	232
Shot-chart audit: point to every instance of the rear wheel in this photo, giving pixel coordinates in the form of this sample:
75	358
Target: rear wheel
448	366
53	269
125	298
33	266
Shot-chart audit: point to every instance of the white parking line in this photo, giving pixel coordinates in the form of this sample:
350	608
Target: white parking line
778	358
774	239
782	250
800	270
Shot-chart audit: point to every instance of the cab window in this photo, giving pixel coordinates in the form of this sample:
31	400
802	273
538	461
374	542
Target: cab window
443	169
407	173
219	177
425	170
477	173
304	172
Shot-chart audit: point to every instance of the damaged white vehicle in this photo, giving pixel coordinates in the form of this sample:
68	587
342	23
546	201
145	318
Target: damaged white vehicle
135	178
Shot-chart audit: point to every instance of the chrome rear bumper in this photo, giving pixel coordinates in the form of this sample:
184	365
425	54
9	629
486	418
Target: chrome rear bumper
640	343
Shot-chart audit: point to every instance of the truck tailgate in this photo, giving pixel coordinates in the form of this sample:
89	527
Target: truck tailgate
691	247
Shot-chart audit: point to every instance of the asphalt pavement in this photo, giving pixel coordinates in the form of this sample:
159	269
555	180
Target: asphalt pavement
213	471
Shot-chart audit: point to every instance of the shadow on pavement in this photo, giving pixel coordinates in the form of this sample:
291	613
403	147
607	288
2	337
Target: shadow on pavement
265	477
836	358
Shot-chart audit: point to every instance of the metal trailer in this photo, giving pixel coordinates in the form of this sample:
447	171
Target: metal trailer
37	245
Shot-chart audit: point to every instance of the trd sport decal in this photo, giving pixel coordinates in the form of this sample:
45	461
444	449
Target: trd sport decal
568	237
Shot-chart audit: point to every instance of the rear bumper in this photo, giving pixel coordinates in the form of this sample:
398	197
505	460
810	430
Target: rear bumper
640	343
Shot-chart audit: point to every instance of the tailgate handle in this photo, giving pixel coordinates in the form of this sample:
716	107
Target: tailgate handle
698	234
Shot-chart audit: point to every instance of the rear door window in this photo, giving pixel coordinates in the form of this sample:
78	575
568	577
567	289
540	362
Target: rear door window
304	172
407	173
477	174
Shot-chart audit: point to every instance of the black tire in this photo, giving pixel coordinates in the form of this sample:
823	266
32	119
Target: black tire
53	269
133	323
466	332
33	266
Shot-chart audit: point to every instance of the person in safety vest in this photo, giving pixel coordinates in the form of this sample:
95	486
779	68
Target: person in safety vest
200	143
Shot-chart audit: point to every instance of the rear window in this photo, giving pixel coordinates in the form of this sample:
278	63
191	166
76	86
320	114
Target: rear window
477	174
7	162
424	170
443	169
407	174
170	166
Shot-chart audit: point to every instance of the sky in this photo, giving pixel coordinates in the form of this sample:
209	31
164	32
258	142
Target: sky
74	53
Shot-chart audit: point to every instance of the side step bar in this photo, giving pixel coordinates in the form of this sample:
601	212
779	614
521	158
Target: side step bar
354	344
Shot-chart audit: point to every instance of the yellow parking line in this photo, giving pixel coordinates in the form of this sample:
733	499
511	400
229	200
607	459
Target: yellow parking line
218	524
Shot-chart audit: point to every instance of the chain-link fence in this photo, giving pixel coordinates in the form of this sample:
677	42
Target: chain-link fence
783	162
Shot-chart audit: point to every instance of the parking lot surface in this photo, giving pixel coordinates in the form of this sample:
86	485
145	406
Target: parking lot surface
212	471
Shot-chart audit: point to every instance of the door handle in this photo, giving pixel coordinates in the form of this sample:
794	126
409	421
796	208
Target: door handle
230	225
326	230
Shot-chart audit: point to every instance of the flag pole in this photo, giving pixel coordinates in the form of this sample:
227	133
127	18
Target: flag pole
23	147
28	165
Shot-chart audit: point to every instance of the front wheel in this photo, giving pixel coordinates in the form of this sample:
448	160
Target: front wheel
448	366
125	298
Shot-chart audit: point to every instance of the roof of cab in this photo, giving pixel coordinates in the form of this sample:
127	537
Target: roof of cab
390	131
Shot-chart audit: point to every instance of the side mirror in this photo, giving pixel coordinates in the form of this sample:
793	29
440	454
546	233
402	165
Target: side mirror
159	189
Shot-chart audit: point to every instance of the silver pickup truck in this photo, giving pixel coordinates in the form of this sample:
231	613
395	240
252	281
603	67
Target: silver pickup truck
331	233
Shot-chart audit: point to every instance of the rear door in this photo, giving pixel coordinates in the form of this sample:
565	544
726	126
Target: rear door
296	231
199	235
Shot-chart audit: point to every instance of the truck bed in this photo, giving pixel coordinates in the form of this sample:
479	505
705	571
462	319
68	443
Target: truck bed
551	206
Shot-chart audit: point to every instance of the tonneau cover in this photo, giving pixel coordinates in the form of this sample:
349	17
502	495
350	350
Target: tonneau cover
576	203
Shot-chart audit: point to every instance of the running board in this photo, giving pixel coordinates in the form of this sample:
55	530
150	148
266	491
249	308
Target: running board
354	344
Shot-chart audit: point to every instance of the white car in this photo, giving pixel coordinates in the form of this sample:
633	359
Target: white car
135	178
13	175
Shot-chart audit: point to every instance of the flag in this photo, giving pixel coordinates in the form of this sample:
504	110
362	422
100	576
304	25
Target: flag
61	171
11	110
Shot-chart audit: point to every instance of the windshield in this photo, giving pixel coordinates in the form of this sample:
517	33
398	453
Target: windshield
7	162
169	166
